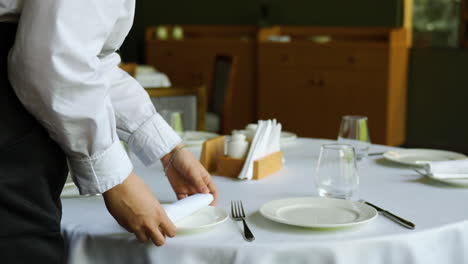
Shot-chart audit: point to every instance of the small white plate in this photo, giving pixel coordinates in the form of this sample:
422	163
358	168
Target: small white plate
420	157
204	218
318	212
287	137
196	138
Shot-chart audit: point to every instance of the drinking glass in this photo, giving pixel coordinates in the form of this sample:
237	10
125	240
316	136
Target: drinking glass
174	118
336	173
354	131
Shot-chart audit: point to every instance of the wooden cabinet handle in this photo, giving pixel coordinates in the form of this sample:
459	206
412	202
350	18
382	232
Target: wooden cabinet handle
200	77
321	83
311	82
284	58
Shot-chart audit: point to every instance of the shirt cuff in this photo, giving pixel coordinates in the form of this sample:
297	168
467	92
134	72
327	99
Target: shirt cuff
101	172
153	140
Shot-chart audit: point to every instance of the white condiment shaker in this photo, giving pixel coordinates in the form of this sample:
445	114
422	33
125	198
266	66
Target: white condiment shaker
250	131
237	146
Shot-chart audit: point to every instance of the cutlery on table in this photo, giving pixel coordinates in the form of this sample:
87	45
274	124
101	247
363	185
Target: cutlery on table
419	172
238	214
375	154
391	216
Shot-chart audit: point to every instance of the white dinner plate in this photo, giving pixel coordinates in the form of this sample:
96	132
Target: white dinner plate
196	138
318	212
420	157
206	217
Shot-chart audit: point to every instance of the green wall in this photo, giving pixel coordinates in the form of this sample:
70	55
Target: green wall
336	12
438	99
248	12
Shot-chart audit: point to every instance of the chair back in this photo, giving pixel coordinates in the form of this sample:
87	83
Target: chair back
220	99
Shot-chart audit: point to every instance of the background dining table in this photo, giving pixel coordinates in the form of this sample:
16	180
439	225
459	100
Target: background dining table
438	210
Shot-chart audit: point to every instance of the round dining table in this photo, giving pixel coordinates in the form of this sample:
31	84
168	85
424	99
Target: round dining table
439	211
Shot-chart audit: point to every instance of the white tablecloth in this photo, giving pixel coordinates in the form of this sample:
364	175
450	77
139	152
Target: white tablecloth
439	211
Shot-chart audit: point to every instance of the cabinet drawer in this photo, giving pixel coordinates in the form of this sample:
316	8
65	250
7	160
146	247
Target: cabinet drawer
323	57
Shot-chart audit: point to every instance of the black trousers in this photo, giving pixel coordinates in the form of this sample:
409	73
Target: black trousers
32	174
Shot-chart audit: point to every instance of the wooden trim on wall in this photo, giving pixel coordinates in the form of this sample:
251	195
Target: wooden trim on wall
408	20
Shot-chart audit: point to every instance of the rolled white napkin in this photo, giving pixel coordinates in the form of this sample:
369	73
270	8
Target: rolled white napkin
453	169
187	206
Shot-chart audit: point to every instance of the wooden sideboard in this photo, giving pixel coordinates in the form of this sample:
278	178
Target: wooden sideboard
188	60
315	75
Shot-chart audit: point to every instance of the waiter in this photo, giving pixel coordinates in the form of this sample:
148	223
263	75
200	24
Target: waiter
63	99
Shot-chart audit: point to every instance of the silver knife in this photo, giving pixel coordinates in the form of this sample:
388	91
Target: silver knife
391	216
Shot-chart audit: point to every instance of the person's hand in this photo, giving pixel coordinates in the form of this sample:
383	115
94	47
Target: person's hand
186	174
136	209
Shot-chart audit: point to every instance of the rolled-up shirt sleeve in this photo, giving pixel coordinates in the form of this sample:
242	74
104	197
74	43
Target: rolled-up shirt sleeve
57	70
138	124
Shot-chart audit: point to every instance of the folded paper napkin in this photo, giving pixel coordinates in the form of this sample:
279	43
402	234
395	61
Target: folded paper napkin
265	142
187	206
452	169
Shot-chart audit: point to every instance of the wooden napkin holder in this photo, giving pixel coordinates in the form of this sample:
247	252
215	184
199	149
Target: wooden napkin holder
213	159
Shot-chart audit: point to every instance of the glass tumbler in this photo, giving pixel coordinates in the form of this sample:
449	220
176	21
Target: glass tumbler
336	174
174	118
355	132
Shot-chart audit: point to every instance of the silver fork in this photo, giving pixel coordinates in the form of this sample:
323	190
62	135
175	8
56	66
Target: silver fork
238	214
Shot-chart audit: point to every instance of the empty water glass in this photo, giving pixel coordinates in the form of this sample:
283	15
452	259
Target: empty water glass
355	132
336	174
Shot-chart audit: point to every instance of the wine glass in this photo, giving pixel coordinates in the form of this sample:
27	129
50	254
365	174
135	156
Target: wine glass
354	131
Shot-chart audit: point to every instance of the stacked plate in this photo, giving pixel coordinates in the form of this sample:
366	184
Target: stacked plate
285	139
421	157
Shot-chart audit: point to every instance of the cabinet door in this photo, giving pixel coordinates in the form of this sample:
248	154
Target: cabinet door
312	102
291	96
355	93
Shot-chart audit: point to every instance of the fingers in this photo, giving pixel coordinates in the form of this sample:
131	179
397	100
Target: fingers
157	237
187	165
141	236
214	192
181	196
156	233
168	227
200	184
187	177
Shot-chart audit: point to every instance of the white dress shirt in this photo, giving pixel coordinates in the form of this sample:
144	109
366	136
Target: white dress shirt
64	69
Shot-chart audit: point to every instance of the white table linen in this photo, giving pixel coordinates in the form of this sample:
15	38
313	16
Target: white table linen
438	210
